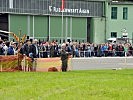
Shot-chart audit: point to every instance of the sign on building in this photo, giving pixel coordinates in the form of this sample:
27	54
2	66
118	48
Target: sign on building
53	7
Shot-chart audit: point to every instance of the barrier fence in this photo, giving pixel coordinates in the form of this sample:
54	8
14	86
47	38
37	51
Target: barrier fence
10	63
108	53
94	63
43	64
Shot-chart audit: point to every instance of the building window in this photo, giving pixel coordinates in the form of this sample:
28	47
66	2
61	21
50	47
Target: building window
113	34
125	13
114	13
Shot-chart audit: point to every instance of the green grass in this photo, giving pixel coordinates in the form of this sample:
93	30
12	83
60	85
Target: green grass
75	85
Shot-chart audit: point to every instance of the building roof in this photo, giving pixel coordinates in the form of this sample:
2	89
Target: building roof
121	2
92	0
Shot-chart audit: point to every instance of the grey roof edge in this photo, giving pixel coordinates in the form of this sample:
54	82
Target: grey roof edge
121	3
92	0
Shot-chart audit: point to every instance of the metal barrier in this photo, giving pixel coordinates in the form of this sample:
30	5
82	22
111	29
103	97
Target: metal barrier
85	63
28	65
108	53
10	63
93	63
15	62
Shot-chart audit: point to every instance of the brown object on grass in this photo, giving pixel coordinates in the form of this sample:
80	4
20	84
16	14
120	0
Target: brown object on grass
52	69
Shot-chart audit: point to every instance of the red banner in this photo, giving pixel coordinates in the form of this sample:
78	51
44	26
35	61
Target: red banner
11	63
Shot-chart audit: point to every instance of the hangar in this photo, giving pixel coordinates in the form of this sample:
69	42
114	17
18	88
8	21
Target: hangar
65	20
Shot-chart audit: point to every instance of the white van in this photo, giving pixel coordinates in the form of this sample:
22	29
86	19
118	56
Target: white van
118	40
111	40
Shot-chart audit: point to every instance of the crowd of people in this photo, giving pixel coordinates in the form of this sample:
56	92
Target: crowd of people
36	49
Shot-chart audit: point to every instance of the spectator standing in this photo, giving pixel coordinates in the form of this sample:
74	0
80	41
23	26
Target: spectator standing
35	48
105	49
120	50
27	51
34	51
130	50
110	50
45	52
76	51
92	49
88	50
56	49
7	48
41	50
95	50
1	47
10	50
15	48
52	49
126	49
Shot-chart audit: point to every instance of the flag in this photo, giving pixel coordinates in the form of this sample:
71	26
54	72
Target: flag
62	5
23	38
15	37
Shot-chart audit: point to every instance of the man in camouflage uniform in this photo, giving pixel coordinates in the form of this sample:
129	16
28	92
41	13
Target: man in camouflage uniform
64	58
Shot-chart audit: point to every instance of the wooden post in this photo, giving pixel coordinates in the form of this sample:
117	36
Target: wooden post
1	67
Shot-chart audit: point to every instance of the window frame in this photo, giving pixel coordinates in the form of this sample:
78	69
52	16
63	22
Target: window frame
112	34
125	13
114	11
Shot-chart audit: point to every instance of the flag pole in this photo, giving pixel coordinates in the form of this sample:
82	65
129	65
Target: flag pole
19	48
62	9
62	28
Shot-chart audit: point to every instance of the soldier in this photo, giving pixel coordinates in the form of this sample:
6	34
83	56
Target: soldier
64	58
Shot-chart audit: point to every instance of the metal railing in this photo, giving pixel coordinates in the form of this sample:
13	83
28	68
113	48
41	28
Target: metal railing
108	53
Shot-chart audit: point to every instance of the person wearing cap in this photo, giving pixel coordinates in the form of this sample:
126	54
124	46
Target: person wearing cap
35	47
28	53
64	58
35	53
15	48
